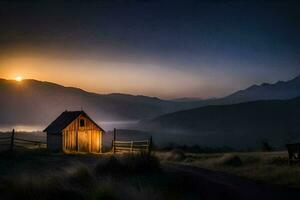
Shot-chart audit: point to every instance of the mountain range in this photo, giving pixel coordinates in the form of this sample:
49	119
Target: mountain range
37	102
265	91
228	122
237	125
280	90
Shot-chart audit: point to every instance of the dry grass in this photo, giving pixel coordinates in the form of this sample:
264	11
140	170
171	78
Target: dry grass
270	167
78	178
42	175
175	155
128	165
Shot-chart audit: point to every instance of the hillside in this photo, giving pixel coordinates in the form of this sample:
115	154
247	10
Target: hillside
37	102
266	91
235	125
32	101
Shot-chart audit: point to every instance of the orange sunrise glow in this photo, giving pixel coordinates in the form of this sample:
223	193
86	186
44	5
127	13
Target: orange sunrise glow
19	78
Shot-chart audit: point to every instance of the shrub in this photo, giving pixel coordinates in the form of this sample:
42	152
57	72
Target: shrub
134	163
110	166
251	160
176	155
81	177
279	161
230	160
141	162
266	147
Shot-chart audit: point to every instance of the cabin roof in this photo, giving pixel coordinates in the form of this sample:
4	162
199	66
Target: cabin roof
66	118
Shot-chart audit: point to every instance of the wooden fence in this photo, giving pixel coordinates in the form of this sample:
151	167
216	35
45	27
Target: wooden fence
11	142
132	146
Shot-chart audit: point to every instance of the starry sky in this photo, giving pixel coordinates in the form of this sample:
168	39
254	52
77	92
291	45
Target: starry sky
164	48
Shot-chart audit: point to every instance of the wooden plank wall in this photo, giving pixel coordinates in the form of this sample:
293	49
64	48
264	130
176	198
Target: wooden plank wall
89	137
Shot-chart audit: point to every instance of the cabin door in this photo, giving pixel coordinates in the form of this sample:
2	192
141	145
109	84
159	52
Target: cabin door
83	141
95	142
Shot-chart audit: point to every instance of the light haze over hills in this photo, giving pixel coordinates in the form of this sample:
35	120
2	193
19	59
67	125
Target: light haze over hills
37	102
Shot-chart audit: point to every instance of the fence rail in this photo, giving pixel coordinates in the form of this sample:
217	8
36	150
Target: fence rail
131	146
4	138
11	142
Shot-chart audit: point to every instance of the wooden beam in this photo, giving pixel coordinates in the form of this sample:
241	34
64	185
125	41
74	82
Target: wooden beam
150	145
114	139
12	140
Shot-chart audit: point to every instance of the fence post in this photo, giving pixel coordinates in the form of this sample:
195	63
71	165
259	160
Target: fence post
114	139
12	140
131	147
150	145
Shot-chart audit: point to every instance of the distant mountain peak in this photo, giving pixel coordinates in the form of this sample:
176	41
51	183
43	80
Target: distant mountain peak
252	87
297	78
279	90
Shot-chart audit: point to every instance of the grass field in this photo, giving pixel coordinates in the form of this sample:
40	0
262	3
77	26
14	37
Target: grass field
39	174
269	167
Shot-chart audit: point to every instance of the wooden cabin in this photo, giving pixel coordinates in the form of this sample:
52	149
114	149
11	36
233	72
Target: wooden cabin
74	132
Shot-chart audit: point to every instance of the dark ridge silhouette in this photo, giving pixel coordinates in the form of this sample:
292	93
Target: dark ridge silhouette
237	124
280	90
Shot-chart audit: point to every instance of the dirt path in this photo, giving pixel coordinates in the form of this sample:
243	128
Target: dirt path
219	185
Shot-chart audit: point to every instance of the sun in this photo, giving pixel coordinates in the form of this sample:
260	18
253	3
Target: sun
19	78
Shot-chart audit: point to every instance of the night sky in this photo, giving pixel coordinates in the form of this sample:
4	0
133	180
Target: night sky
165	48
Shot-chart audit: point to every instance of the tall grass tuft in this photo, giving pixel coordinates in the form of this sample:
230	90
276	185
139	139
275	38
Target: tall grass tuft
38	188
176	155
279	161
130	164
230	160
110	178
109	166
81	177
142	162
